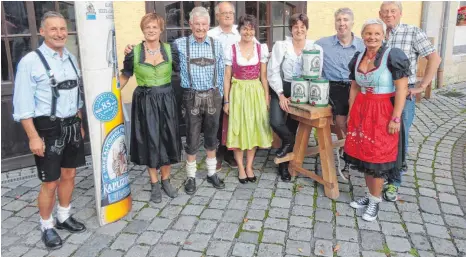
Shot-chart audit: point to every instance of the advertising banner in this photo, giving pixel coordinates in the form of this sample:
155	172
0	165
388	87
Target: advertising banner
97	48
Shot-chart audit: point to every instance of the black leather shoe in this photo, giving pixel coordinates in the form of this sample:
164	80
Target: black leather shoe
284	150
190	186
72	225
243	180
51	239
253	178
284	172
215	181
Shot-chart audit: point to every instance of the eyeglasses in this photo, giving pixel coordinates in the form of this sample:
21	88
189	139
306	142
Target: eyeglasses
227	13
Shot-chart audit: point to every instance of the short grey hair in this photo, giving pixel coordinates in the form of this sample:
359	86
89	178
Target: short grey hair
199	12
217	7
50	14
374	21
345	10
397	3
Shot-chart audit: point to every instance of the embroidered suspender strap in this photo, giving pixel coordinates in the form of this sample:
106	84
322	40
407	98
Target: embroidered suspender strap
188	60
215	62
78	82
53	84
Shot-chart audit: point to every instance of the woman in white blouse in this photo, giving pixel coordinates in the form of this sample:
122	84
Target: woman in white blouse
284	64
246	97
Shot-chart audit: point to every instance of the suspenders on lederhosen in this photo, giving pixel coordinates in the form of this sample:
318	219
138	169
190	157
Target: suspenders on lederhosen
188	61
67	84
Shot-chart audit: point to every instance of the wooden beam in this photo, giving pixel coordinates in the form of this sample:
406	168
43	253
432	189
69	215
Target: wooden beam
32	24
286	158
312	175
300	146
317	123
327	160
315	150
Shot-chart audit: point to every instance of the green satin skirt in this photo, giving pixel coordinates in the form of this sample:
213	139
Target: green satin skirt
248	123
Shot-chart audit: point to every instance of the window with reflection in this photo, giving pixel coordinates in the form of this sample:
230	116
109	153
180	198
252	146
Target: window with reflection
67	10
176	18
5	74
40	8
272	19
19	37
16	19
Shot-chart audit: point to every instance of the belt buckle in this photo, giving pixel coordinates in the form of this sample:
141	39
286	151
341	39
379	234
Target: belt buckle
53	118
369	90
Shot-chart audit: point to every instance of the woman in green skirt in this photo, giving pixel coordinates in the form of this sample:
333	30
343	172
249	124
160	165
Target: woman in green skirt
246	94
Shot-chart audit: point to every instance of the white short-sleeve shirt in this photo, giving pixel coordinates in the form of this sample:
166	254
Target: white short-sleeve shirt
228	56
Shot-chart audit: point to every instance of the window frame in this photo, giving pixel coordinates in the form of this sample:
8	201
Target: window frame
240	10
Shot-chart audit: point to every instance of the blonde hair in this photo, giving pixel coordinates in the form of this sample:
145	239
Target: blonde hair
374	21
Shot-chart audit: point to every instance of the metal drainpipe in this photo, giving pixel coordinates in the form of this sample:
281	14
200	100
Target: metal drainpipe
425	12
446	19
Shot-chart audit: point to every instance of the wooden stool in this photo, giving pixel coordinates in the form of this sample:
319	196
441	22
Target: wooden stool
320	118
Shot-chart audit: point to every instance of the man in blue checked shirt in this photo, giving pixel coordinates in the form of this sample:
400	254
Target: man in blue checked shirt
47	102
200	61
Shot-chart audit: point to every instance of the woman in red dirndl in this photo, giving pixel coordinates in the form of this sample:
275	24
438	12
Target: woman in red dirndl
378	92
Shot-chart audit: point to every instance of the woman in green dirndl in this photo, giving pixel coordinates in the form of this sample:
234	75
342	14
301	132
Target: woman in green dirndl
246	94
155	136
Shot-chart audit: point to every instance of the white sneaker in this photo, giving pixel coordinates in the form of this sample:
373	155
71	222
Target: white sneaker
360	203
371	211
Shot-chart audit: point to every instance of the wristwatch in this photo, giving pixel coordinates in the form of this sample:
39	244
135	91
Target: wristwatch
396	119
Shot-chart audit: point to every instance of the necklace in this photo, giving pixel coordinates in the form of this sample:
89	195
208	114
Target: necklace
250	52
152	52
370	58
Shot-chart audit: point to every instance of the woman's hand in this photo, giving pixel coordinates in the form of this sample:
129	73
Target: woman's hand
128	49
393	127
226	108
267	102
284	102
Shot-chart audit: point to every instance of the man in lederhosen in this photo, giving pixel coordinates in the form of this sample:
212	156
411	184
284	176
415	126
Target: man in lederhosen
200	60
47	101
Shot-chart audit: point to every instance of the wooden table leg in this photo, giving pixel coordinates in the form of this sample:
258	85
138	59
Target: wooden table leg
300	146
327	160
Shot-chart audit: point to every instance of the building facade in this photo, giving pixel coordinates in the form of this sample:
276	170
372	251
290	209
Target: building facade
21	22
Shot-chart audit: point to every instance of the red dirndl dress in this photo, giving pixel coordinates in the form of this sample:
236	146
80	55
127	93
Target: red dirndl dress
368	143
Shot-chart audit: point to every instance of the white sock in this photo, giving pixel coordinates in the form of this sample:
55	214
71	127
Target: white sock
373	198
191	169
46	224
211	164
63	213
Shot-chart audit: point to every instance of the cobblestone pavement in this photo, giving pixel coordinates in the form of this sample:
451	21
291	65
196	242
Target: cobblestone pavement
271	218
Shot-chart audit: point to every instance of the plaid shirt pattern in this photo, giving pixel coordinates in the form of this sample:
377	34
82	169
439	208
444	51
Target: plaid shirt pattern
414	43
202	76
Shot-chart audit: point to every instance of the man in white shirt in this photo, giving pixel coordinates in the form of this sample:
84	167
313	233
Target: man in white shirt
227	33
